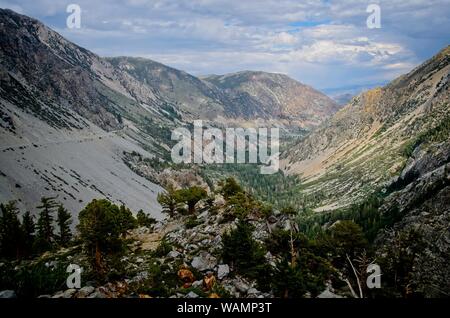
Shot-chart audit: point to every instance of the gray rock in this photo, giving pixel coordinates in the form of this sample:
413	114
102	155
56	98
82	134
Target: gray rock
191	295
328	294
204	261
197	283
158	226
140	276
217	240
202	216
142	230
97	294
69	293
223	271
59	294
45	296
253	292
173	254
52	264
8	294
241	286
219	219
85	291
139	260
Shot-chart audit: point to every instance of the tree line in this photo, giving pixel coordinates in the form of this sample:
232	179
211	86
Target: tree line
23	237
26	237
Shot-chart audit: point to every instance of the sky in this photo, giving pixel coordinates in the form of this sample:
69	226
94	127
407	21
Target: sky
324	43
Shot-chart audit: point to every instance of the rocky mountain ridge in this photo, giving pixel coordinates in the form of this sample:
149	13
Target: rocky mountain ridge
54	92
365	144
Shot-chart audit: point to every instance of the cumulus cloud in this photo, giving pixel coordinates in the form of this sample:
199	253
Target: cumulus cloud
324	43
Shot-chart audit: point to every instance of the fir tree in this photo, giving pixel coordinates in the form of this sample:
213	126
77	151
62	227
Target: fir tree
28	229
191	196
144	219
229	188
168	201
99	232
125	220
45	236
10	231
63	220
241	251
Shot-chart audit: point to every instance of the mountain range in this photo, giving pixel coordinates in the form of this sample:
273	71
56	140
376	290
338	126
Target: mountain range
68	115
368	142
77	126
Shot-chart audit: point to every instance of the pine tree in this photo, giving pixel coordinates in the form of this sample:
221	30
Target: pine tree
168	201
45	236
99	232
28	229
63	220
10	231
242	251
125	220
144	219
229	188
191	196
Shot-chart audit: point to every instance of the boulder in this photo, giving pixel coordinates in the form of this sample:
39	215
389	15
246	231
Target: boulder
197	284
59	294
173	254
241	286
69	293
328	294
223	271
139	260
191	295
253	293
204	261
85	291
8	294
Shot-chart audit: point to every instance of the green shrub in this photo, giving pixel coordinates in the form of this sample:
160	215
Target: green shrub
242	252
143	219
34	279
161	282
192	222
163	249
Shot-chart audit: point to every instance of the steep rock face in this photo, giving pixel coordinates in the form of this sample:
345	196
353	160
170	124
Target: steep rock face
274	96
420	210
54	71
364	144
195	98
66	117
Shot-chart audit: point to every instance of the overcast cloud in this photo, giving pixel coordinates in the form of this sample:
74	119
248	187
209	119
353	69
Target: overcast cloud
322	43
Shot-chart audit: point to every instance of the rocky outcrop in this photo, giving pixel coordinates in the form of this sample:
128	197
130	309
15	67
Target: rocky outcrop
421	208
194	257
